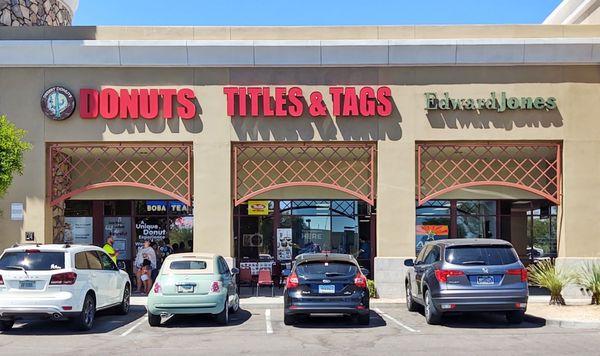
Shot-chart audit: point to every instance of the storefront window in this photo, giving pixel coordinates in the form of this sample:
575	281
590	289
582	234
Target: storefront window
530	225
476	219
79	222
433	222
294	227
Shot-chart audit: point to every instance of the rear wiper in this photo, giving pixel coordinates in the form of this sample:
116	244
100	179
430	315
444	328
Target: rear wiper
20	268
473	263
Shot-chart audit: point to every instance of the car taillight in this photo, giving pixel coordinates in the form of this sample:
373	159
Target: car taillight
156	288
1	280
360	280
442	274
32	251
67	278
518	272
215	287
292	281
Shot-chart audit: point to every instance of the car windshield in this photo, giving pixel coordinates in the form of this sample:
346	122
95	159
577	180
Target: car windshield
327	269
481	255
183	265
32	261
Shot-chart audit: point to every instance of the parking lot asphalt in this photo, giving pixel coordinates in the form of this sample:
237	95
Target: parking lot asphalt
260	330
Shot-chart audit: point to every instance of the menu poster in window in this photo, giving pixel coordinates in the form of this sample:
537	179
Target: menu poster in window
79	230
120	228
426	233
284	244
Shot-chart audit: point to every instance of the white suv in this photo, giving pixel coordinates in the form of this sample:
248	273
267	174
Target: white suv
59	282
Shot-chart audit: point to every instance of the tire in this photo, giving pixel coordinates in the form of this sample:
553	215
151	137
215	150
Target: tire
363	319
515	316
236	306
123	308
153	319
411	305
223	316
289	319
432	315
85	320
6	325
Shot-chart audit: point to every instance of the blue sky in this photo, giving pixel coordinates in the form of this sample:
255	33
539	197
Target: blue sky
311	12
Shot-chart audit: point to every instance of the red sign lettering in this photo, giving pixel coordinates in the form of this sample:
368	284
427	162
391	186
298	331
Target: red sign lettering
282	102
109	103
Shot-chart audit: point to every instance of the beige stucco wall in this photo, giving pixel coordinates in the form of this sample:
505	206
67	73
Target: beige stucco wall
575	122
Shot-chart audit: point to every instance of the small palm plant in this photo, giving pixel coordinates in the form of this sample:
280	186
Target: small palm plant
589	278
545	274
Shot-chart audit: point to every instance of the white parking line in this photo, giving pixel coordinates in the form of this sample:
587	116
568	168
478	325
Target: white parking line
268	321
387	316
128	331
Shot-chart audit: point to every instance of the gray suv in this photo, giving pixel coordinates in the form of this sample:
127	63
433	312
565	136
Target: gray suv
467	275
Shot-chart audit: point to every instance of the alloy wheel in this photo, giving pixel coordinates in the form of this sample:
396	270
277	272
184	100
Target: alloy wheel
126	299
89	312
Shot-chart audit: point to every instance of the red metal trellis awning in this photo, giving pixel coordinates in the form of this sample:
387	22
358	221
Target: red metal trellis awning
162	167
348	167
447	166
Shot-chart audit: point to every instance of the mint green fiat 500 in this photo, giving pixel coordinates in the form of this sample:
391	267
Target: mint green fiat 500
193	283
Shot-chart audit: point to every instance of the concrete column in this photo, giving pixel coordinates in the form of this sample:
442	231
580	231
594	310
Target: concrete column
395	215
212	198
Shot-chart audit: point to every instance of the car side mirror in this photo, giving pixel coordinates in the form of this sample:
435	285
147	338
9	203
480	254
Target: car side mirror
365	271
409	262
235	271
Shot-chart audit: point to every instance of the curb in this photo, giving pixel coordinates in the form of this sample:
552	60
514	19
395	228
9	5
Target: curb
568	324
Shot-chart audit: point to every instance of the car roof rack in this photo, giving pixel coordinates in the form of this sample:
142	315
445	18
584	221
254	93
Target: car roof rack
17	244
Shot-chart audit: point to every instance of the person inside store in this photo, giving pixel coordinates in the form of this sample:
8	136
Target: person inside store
166	249
108	247
364	249
145	262
175	248
159	260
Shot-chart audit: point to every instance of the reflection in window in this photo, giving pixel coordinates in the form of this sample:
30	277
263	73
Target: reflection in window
433	222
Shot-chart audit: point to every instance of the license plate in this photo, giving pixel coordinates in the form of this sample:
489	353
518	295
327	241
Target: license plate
26	284
185	288
485	280
326	289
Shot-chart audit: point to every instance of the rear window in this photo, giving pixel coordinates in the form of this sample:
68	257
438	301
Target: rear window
327	269
481	255
182	265
32	261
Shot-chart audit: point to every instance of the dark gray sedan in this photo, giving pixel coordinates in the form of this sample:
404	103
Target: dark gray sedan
467	275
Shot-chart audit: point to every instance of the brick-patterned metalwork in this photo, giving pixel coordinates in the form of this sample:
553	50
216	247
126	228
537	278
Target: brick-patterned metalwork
345	166
162	167
444	167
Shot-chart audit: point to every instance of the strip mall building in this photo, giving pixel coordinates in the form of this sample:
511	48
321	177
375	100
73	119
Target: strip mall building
259	143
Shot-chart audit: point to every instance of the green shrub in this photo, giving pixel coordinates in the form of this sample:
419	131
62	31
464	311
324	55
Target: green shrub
372	289
545	274
589	278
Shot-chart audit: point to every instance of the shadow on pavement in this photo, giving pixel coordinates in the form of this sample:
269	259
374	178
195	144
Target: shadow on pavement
473	320
202	320
337	322
106	321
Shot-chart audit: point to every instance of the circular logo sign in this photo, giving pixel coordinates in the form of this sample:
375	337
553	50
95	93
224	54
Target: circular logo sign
58	103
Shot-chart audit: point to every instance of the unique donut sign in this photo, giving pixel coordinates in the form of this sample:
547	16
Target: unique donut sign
58	103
